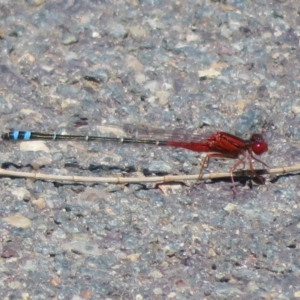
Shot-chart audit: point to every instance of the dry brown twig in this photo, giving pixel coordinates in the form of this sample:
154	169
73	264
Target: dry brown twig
161	179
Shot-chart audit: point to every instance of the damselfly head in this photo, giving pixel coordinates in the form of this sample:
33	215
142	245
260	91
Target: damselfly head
258	144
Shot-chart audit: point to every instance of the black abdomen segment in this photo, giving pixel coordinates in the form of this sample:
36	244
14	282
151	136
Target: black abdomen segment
28	135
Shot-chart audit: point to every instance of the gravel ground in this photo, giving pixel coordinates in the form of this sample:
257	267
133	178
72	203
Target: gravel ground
230	64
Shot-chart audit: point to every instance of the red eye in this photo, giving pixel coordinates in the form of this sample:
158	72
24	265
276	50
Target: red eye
259	146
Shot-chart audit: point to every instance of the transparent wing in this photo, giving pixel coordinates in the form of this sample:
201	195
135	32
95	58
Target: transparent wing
149	133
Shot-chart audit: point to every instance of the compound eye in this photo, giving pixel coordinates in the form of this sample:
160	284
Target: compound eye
259	146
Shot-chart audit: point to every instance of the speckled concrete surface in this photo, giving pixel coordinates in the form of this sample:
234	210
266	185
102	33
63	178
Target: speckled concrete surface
230	65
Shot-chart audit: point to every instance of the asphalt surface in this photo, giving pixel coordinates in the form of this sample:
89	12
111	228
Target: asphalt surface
70	66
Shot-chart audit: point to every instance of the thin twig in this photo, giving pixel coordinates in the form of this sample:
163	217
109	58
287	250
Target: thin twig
168	178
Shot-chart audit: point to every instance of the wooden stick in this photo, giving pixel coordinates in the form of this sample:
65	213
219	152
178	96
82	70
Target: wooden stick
168	178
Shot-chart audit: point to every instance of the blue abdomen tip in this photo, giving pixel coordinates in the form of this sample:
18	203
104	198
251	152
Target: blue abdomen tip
27	135
15	135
